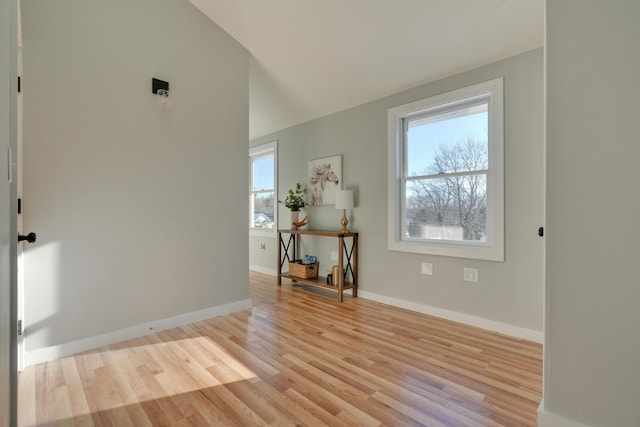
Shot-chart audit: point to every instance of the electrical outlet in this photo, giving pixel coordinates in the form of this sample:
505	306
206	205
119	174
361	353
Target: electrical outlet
334	255
426	268
471	275
263	246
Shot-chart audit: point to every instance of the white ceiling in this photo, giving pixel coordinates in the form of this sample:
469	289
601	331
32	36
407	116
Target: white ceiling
315	57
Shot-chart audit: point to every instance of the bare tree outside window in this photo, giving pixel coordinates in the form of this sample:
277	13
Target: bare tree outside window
263	207
448	201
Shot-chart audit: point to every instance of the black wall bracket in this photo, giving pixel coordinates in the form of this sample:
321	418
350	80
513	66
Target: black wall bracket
156	85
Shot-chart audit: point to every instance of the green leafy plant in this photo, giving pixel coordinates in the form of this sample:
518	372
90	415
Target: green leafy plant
295	199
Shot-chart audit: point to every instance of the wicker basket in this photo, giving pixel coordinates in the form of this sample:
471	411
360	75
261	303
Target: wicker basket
303	271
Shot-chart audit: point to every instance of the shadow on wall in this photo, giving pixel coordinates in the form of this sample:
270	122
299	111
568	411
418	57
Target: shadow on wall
42	288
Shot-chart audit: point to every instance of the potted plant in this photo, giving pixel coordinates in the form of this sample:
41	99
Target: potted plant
295	201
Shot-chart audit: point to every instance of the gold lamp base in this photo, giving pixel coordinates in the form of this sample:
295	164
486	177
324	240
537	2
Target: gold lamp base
344	222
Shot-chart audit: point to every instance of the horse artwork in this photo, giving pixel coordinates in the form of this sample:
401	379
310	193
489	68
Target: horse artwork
325	177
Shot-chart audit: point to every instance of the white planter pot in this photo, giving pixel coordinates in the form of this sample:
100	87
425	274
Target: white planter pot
294	218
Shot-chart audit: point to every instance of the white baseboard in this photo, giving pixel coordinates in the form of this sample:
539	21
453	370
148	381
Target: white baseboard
491	325
549	419
41	355
264	270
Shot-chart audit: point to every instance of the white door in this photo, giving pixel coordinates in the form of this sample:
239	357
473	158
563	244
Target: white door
8	202
23	237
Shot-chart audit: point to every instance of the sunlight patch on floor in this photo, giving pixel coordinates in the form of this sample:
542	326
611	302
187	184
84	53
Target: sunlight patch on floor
129	376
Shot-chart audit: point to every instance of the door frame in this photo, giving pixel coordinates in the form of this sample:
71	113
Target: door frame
21	345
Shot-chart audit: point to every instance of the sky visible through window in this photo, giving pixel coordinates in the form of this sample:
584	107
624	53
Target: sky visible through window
424	140
263	173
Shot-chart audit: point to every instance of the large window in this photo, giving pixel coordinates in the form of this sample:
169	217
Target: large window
446	174
262	191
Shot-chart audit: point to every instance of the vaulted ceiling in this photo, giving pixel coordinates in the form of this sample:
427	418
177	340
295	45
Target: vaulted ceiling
315	57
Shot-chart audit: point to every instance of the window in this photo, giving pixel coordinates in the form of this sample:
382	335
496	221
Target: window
262	191
446	174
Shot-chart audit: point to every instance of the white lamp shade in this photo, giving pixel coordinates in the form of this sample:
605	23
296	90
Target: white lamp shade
344	199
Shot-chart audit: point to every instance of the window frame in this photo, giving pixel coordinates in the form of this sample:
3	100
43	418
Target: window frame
255	153
493	248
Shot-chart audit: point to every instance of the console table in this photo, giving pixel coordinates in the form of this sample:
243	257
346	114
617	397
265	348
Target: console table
347	259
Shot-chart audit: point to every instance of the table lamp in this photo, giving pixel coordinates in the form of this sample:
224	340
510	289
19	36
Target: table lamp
344	201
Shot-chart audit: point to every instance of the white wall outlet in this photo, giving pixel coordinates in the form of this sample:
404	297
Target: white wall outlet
471	275
263	246
334	255
426	268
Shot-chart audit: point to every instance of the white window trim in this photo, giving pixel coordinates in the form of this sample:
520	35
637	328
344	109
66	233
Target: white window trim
493	248
256	152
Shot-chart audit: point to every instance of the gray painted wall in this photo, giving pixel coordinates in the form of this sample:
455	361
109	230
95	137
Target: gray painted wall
135	203
592	340
510	292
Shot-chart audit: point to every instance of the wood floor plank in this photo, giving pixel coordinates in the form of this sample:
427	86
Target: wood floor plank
315	410
298	358
27	397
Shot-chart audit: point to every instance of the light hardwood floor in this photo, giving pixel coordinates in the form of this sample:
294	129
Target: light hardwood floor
298	357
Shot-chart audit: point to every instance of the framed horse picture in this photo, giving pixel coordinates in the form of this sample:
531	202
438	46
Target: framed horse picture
325	177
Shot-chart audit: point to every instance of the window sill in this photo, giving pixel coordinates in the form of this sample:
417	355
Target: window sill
470	251
260	232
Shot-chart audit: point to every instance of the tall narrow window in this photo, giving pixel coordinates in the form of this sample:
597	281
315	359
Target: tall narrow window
446	174
262	191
